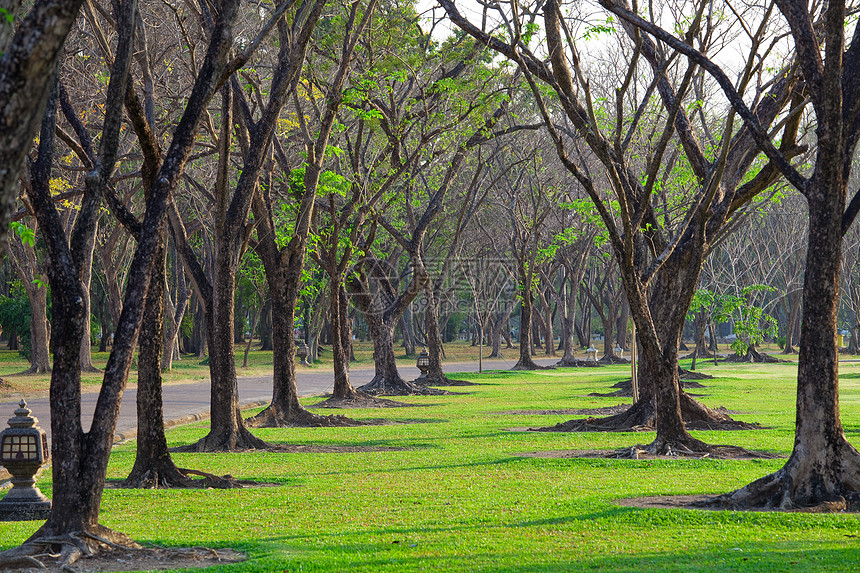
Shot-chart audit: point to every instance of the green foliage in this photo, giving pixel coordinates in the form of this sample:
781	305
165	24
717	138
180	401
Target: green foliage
750	323
15	316
596	30
27	235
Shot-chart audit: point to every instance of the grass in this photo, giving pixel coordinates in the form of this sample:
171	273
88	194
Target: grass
459	498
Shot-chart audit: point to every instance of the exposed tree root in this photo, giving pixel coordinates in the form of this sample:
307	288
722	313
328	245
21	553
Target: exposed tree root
158	474
702	353
225	440
691	375
298	418
686	449
752	356
642	417
364	401
530	365
824	481
577	363
607	359
382	386
178	478
625	388
445	381
63	550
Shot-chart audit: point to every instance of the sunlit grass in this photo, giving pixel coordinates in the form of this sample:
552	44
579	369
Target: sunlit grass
459	498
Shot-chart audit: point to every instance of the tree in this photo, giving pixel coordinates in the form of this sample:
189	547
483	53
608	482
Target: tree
284	262
27	65
659	252
80	458
824	468
26	263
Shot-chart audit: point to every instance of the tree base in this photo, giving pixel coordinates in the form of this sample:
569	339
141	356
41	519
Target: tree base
702	353
165	475
298	418
529	365
606	359
577	363
818	482
65	549
686	449
363	401
752	356
684	374
382	386
155	474
642	416
445	381
225	440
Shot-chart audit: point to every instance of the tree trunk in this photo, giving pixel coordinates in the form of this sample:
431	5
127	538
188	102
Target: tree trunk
386	379
86	278
227	432
285	409
153	466
435	375
171	346
794	305
265	328
496	336
526	307
340	343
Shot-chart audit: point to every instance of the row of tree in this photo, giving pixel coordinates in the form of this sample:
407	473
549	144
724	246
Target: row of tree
353	145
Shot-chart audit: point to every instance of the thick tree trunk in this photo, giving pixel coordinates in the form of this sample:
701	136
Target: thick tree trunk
227	432
794	305
153	466
386	379
265	328
285	409
824	469
498	324
40	358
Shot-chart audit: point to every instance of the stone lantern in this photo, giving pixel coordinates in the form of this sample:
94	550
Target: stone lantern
591	351
423	364
23	451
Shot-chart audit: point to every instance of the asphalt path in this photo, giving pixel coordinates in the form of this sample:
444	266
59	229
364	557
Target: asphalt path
184	403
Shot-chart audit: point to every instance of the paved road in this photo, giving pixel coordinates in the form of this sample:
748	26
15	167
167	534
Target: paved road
188	402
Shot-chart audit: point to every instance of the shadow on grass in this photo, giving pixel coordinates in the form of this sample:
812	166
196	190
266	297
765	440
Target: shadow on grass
407	551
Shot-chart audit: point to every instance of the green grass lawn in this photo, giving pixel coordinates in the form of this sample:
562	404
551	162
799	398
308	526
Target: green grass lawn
459	498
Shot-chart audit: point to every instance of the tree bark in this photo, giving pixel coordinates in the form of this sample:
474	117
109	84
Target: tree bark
153	466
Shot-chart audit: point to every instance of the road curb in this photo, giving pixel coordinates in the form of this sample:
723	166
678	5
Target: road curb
181	421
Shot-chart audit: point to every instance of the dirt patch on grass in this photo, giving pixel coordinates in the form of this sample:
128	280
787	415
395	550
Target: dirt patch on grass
711	503
636	453
363	402
315	449
606	411
144	559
